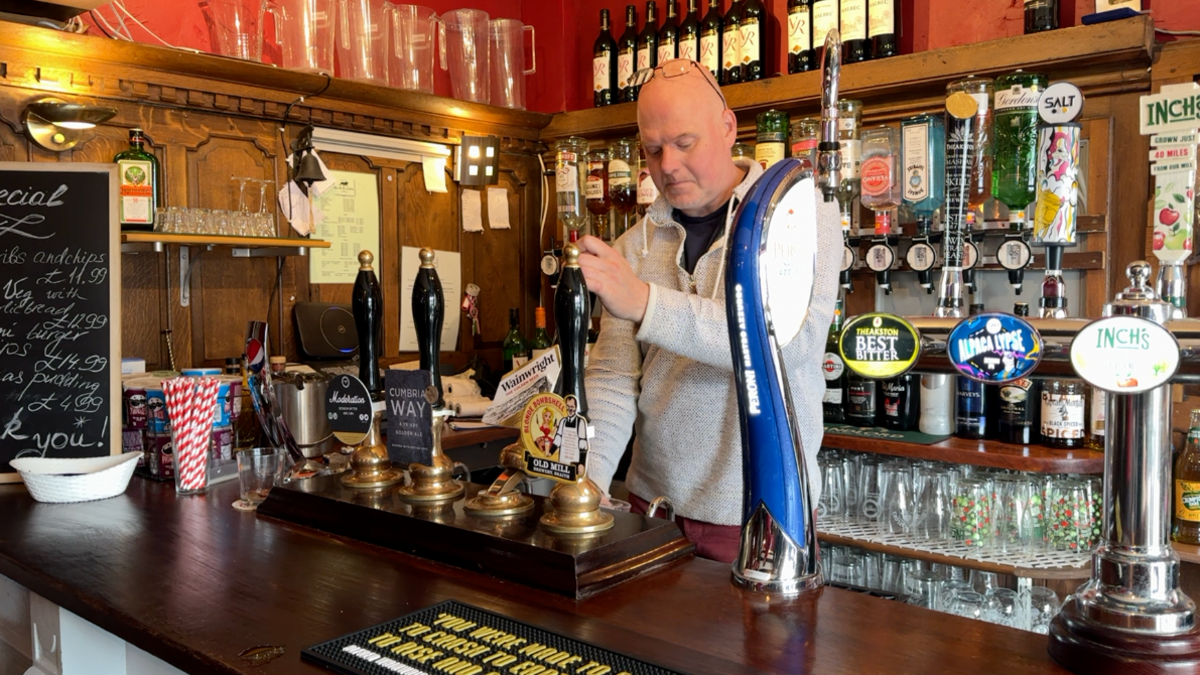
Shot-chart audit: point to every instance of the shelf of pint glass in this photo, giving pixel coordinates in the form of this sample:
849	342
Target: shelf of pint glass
1033	458
1103	56
1187	552
1032	563
241	247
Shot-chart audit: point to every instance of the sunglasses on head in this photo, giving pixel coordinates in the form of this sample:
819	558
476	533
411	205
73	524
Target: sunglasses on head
676	68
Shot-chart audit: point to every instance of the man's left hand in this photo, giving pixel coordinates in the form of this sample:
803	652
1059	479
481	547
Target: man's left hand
610	277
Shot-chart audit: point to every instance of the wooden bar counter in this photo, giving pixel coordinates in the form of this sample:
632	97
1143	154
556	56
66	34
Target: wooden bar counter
194	582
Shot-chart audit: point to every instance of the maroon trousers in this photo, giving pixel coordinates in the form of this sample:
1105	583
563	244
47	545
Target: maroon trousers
716	542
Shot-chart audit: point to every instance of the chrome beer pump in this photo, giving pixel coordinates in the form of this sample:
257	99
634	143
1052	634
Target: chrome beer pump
433	482
768	288
829	156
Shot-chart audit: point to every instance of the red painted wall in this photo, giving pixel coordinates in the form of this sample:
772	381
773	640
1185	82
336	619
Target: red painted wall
566	29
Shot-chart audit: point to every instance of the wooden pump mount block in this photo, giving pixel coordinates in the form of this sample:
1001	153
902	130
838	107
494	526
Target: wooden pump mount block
1088	649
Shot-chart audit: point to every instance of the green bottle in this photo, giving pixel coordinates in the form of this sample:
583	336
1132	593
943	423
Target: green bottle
516	350
541	339
138	184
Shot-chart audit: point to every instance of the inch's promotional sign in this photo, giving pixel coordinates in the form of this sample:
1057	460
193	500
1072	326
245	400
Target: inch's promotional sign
1125	354
879	346
994	348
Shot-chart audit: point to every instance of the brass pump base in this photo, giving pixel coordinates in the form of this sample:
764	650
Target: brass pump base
501	498
576	509
370	465
432	483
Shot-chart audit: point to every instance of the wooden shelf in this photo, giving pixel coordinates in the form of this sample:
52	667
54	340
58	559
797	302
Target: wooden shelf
1082	572
242	247
1103	57
1187	552
1034	458
1084	260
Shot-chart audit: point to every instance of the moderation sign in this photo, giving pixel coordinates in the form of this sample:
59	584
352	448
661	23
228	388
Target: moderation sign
349	409
453	637
994	348
1125	354
879	346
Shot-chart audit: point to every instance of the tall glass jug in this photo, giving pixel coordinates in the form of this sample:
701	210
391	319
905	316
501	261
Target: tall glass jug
235	27
508	61
410	51
362	40
464	51
304	33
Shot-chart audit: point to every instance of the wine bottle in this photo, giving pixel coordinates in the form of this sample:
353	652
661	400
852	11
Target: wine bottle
647	45
1040	15
834	370
541	339
668	36
689	33
883	27
801	56
753	46
138	184
627	56
855	46
710	40
604	65
901	402
731	45
516	350
825	16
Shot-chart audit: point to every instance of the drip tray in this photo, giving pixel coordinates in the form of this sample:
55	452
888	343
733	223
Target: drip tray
514	548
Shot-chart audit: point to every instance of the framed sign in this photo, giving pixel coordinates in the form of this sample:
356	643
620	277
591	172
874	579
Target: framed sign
60	313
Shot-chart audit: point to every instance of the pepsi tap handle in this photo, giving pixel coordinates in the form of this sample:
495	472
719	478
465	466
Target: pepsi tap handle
766	301
572	318
262	393
368	320
429	311
829	158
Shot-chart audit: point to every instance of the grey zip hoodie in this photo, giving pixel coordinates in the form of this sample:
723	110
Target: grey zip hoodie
671	377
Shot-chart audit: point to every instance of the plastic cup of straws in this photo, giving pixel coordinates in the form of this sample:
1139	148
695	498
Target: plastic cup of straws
191	402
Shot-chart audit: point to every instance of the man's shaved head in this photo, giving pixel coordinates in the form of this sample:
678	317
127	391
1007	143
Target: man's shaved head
687	133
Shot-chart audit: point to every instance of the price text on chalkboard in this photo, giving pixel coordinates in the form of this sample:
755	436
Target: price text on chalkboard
456	638
60	320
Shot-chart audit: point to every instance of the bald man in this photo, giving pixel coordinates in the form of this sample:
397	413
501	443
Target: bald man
663	364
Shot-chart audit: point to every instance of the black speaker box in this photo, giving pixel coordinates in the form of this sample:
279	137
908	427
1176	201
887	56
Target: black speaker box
326	330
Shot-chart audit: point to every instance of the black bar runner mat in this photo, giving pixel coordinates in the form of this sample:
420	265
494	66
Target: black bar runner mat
881	434
453	638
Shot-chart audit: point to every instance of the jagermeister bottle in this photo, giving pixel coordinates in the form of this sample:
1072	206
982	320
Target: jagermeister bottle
772	134
835	371
1185	527
515	349
1014	141
137	184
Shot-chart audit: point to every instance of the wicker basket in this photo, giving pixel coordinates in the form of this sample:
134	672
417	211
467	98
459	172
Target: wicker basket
84	479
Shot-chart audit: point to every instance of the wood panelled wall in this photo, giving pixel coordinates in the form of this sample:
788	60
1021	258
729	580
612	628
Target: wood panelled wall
211	119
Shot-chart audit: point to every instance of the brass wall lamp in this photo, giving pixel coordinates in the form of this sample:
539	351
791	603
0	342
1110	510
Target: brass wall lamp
56	125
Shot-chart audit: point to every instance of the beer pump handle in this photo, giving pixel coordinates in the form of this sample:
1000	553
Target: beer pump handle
829	158
572	316
368	320
429	311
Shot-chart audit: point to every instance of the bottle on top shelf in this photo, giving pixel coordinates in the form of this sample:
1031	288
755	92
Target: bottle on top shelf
1040	15
731	45
834	370
1185	525
668	35
689	33
627	56
855	45
515	349
883	27
137	180
753	45
710	40
604	65
801	56
824	17
647	45
1014	163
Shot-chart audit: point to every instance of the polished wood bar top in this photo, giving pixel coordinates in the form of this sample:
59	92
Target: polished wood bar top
194	582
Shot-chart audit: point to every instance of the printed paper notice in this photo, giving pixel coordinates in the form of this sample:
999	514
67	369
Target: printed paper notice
351	225
498	208
449	269
472	211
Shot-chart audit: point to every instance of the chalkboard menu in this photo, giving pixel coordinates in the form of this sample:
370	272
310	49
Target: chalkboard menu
60	312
